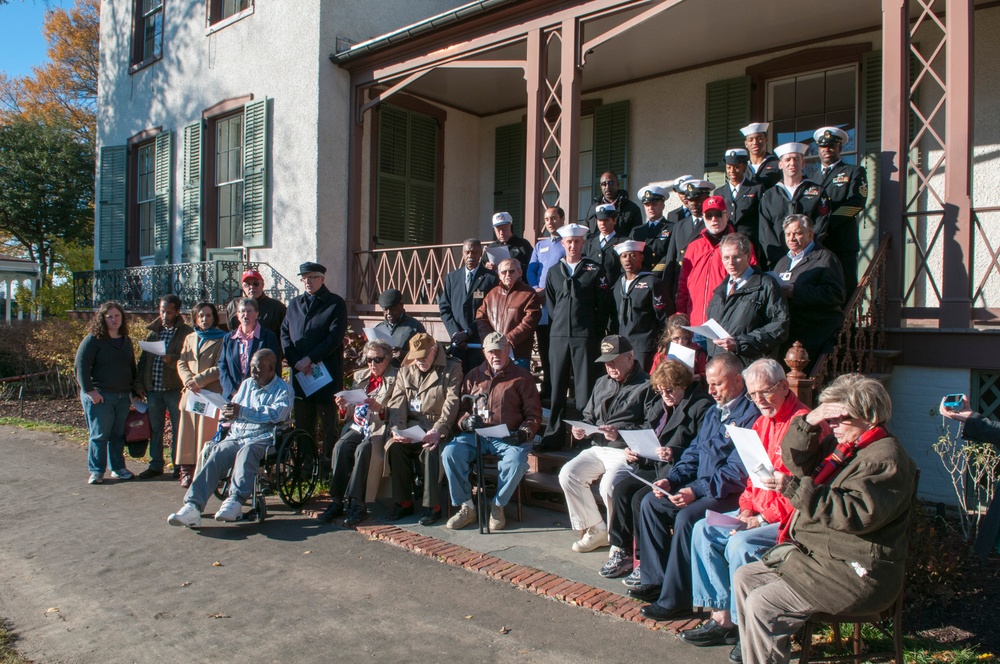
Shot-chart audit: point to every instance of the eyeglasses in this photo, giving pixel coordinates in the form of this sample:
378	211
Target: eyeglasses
713	214
765	393
608	183
374	360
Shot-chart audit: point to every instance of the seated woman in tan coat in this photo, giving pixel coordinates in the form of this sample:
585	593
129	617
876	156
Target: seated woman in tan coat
198	370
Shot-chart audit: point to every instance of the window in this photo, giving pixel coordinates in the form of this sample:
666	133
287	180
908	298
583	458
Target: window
147	34
146	196
229	179
799	105
222	10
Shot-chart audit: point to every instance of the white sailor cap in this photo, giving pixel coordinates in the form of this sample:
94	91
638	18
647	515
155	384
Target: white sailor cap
629	245
787	148
681	180
693	188
573	230
501	218
737	156
606	211
755	128
652	192
827	135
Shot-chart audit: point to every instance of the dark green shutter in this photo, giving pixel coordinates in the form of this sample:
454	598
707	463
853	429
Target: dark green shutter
191	198
871	102
161	192
255	174
508	173
727	109
111	219
611	143
407	177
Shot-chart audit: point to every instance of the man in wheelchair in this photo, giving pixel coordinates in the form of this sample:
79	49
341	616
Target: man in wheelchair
260	404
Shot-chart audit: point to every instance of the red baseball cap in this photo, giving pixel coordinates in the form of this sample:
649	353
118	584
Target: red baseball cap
713	203
254	274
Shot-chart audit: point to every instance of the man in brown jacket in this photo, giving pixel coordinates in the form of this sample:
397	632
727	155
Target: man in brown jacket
513	310
501	393
426	395
157	380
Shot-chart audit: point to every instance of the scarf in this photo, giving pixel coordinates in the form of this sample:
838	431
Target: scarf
213	332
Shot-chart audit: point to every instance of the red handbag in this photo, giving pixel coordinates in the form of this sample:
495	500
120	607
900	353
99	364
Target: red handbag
137	433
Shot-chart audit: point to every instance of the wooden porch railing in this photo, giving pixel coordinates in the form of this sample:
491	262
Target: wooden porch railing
418	272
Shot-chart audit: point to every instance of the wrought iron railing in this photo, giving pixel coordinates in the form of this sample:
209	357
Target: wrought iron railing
418	272
862	335
139	288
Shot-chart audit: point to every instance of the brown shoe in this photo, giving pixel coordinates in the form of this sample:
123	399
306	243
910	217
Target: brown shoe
186	474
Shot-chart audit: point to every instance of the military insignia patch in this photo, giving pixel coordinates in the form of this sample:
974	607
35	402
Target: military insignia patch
812	191
863	190
664	235
642	284
591	268
841	179
607	347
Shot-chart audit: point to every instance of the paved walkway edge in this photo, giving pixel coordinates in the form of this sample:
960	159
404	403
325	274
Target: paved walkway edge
524	577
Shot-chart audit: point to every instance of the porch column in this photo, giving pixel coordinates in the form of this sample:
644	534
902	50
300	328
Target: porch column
956	302
20	310
534	77
355	138
895	146
569	128
7	286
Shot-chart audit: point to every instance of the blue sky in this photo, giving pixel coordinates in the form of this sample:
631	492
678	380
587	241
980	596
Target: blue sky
22	45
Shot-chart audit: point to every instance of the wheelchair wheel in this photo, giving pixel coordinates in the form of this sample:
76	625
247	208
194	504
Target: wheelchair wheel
297	469
222	491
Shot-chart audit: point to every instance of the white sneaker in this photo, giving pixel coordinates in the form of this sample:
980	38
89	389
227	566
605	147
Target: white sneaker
96	478
189	516
463	517
231	510
497	517
592	539
123	474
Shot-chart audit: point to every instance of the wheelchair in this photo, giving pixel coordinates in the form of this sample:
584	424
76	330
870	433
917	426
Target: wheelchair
290	467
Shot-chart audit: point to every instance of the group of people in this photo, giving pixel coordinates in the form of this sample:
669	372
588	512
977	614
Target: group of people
770	256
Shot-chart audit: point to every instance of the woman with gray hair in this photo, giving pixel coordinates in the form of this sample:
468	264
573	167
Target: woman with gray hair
240	344
354	477
844	550
812	281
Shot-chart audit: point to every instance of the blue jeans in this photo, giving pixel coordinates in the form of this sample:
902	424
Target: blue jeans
715	557
217	459
459	455
106	422
160	404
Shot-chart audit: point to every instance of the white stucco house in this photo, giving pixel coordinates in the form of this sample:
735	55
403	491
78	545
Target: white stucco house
374	136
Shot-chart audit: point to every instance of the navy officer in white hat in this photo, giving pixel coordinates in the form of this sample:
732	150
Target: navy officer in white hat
762	168
642	303
742	196
846	185
795	194
656	230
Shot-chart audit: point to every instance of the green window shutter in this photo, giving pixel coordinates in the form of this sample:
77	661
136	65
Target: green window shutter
611	143
727	109
191	199
407	177
161	186
255	218
508	173
111	219
871	102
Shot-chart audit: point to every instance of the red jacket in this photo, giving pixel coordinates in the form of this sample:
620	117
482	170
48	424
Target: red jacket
771	505
701	273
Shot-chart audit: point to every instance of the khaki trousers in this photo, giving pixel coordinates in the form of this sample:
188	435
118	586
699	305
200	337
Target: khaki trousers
770	613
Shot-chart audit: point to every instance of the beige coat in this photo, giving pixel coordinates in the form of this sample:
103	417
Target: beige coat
201	367
378	468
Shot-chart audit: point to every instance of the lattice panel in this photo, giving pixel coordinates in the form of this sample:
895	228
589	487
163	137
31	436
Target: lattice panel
986	258
552	115
923	266
985	396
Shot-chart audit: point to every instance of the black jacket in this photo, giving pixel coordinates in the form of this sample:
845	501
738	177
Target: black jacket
744	212
231	374
623	405
657	239
680	428
775	205
979	428
578	305
642	311
846	186
756	316
768	174
606	257
458	305
315	327
683	233
629	214
405	328
816	307
519	249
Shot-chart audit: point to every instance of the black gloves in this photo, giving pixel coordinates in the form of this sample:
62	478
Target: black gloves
517	438
471	423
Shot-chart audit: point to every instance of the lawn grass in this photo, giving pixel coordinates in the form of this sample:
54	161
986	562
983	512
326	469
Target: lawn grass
77	434
8	655
916	649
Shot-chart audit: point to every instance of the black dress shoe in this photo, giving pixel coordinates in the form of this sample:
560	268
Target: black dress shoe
334	510
657	612
176	474
736	654
430	517
150	473
399	512
647	593
711	634
356	513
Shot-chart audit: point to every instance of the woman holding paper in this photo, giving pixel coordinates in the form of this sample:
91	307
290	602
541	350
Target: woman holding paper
105	370
364	409
198	370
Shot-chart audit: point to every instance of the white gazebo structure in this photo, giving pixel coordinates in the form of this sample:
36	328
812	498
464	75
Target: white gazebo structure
16	273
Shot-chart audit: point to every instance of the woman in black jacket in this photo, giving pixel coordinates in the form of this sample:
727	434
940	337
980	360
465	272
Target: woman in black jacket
105	370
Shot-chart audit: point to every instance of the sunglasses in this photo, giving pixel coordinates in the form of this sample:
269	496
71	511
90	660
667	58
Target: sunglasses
374	360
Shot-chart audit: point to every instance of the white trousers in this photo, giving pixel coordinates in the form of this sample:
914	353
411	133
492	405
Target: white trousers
576	476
